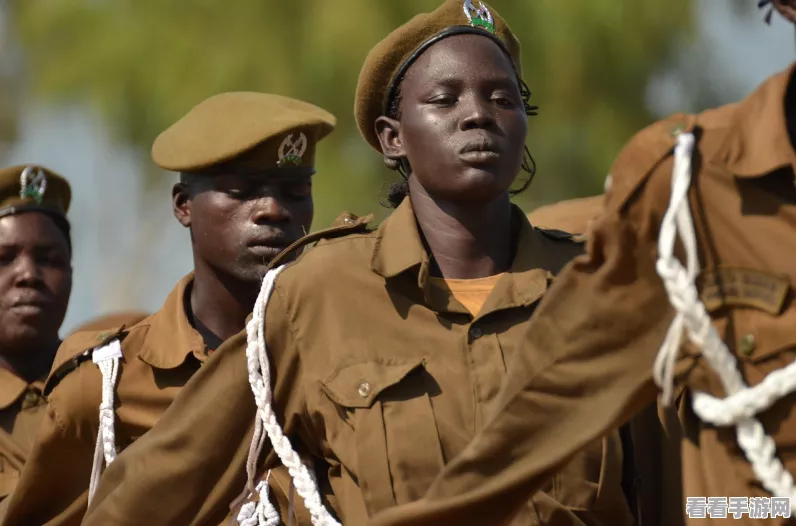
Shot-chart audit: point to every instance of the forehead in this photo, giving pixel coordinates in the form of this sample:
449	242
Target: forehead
30	229
460	56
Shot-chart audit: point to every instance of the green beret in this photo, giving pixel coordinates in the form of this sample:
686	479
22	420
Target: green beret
29	187
388	61
252	131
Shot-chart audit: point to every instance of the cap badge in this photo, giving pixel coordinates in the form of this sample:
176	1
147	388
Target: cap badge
480	16
33	184
290	151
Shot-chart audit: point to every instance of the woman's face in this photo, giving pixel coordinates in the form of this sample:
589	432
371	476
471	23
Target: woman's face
462	123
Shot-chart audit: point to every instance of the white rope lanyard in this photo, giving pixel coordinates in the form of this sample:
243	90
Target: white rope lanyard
107	359
743	403
266	423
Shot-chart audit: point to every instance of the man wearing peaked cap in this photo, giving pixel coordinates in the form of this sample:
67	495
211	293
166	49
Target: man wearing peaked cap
246	162
35	284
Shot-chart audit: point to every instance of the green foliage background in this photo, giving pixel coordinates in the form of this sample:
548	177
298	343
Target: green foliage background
141	64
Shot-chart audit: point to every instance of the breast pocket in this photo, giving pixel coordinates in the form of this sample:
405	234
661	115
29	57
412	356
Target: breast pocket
398	449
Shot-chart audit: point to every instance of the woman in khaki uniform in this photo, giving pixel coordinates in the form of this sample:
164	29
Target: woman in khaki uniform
35	284
387	348
688	286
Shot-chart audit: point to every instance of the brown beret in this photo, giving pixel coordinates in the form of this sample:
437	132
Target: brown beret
253	131
388	61
29	187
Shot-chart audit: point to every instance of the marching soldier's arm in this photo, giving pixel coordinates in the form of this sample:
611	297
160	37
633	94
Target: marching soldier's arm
191	466
601	327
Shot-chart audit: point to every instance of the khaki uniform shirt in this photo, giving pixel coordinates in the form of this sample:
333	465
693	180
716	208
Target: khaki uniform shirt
608	315
160	354
378	376
22	407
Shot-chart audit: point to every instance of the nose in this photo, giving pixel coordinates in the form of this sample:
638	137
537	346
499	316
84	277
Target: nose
477	113
270	209
27	272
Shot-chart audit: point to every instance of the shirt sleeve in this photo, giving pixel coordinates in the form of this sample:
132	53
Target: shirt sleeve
52	488
192	465
600	327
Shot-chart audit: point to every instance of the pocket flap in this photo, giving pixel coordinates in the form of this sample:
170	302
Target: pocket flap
357	385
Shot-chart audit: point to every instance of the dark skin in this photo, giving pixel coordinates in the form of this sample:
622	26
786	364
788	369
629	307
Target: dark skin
461	132
35	284
239	222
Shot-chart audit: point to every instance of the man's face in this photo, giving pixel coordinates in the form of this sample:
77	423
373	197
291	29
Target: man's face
35	281
240	222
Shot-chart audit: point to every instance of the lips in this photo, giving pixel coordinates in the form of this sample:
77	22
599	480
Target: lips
481	145
29	305
268	247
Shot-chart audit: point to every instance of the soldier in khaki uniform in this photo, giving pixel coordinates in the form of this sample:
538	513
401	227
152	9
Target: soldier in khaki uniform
387	347
572	215
245	162
111	321
687	289
35	284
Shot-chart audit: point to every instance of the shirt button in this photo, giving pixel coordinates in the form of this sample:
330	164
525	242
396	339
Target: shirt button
475	333
747	344
364	389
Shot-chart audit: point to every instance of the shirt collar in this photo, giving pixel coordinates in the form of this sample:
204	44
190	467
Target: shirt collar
171	337
12	387
399	248
758	141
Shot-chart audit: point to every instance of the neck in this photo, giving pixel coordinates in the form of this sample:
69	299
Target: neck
221	304
466	240
32	363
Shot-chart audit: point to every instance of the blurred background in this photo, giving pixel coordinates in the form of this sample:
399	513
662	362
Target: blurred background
86	85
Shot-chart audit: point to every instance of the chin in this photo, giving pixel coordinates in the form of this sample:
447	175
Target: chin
477	186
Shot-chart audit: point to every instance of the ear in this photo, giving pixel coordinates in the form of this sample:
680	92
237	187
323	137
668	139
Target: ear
181	204
389	133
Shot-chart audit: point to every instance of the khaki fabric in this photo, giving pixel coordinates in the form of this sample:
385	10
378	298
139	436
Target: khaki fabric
605	320
252	131
22	407
378	377
572	215
160	354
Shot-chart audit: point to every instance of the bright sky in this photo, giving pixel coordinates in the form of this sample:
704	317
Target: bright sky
108	213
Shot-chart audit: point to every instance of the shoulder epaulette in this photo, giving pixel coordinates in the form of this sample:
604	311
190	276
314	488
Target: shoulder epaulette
643	153
72	363
345	224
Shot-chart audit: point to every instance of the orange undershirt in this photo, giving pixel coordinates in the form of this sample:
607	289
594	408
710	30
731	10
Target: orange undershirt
471	293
